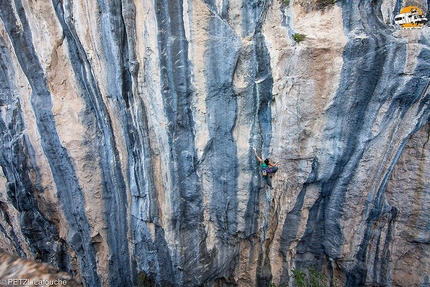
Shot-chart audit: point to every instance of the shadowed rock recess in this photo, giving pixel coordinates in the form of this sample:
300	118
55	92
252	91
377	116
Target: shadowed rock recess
128	128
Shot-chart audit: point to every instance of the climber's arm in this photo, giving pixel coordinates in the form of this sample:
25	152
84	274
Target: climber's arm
256	155
272	164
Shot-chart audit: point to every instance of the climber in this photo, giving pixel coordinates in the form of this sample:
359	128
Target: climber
267	168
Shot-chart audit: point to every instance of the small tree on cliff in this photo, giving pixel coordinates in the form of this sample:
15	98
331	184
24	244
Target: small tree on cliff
298	37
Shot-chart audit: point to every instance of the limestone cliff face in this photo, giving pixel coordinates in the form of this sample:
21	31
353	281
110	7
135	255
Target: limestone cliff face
128	127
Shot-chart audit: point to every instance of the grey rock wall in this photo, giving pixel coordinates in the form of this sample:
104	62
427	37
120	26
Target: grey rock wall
128	128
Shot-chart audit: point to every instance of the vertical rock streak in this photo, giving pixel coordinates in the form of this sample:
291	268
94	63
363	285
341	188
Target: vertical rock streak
185	189
117	52
12	141
114	188
68	189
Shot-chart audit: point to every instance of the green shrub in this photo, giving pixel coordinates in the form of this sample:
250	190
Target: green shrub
300	277
313	278
298	37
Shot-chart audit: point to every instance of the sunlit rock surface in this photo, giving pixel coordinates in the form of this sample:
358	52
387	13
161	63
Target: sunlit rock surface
128	128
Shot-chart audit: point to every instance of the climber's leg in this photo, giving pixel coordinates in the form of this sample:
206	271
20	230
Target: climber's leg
273	169
267	179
